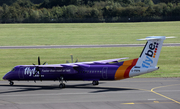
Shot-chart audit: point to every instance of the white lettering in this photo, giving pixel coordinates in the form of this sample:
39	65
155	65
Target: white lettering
30	72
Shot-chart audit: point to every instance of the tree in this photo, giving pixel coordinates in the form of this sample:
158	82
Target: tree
176	11
70	11
13	13
149	2
6	16
25	14
46	4
149	12
46	15
170	1
1	13
94	13
56	12
8	2
24	3
34	15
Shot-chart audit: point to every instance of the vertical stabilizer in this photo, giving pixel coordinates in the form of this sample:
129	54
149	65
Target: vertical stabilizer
150	54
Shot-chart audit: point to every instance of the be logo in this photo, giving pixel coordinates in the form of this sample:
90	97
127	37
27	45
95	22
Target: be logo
151	53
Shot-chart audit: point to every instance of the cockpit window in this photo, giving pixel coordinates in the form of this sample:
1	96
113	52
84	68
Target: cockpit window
13	70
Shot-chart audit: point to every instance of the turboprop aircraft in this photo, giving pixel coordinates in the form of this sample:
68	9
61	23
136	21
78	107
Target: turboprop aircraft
94	71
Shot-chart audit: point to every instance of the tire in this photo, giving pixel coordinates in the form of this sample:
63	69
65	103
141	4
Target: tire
95	82
11	83
62	85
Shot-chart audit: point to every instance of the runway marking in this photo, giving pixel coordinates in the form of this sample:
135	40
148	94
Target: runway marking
152	90
127	103
154	102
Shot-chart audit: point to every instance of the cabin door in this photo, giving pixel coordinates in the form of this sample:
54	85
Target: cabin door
21	73
104	72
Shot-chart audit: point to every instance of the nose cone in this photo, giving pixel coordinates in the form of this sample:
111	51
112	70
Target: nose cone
7	76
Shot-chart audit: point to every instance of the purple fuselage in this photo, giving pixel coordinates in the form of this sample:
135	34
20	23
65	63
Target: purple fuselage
82	72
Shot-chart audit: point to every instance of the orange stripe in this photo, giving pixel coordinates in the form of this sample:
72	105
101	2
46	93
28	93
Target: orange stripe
120	72
126	74
123	71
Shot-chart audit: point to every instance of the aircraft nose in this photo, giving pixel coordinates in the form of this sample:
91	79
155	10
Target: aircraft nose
6	76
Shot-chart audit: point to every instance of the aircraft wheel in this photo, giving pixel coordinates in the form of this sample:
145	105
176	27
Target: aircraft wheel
62	85
95	82
11	83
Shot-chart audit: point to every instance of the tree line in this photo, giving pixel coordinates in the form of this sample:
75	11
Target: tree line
47	11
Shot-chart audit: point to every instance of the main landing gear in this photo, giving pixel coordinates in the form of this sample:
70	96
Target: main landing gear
11	83
62	85
95	83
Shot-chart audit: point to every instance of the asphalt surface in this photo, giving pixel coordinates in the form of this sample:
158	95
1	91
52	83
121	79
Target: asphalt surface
132	93
79	46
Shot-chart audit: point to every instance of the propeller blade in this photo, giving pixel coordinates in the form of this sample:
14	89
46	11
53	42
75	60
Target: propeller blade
39	63
67	61
72	58
36	70
76	60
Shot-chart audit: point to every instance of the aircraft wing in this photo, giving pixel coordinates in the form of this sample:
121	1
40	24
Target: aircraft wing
73	65
58	65
102	61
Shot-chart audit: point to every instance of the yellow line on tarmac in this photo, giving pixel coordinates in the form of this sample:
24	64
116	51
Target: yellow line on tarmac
127	103
152	90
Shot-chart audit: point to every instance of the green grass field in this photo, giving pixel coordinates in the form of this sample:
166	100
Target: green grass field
84	34
169	58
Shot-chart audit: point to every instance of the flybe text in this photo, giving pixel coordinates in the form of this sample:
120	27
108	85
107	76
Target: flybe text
150	54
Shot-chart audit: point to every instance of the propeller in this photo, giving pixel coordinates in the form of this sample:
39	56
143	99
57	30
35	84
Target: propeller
37	67
72	59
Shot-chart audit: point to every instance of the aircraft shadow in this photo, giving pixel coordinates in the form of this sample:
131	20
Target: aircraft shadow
99	89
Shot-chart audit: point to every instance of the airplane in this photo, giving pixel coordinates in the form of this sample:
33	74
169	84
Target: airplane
94	71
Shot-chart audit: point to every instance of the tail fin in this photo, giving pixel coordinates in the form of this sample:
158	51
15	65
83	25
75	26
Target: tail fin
150	54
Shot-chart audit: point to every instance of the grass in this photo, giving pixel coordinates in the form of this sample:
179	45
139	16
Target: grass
85	33
169	58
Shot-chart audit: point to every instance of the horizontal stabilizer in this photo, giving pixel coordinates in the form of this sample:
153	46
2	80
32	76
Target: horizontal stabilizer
155	38
152	38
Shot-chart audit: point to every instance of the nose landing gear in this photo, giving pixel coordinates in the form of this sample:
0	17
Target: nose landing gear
11	83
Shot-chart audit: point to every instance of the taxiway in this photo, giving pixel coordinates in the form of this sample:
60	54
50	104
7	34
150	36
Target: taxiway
80	46
136	93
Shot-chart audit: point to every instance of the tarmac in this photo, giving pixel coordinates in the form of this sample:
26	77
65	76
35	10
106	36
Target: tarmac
136	93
